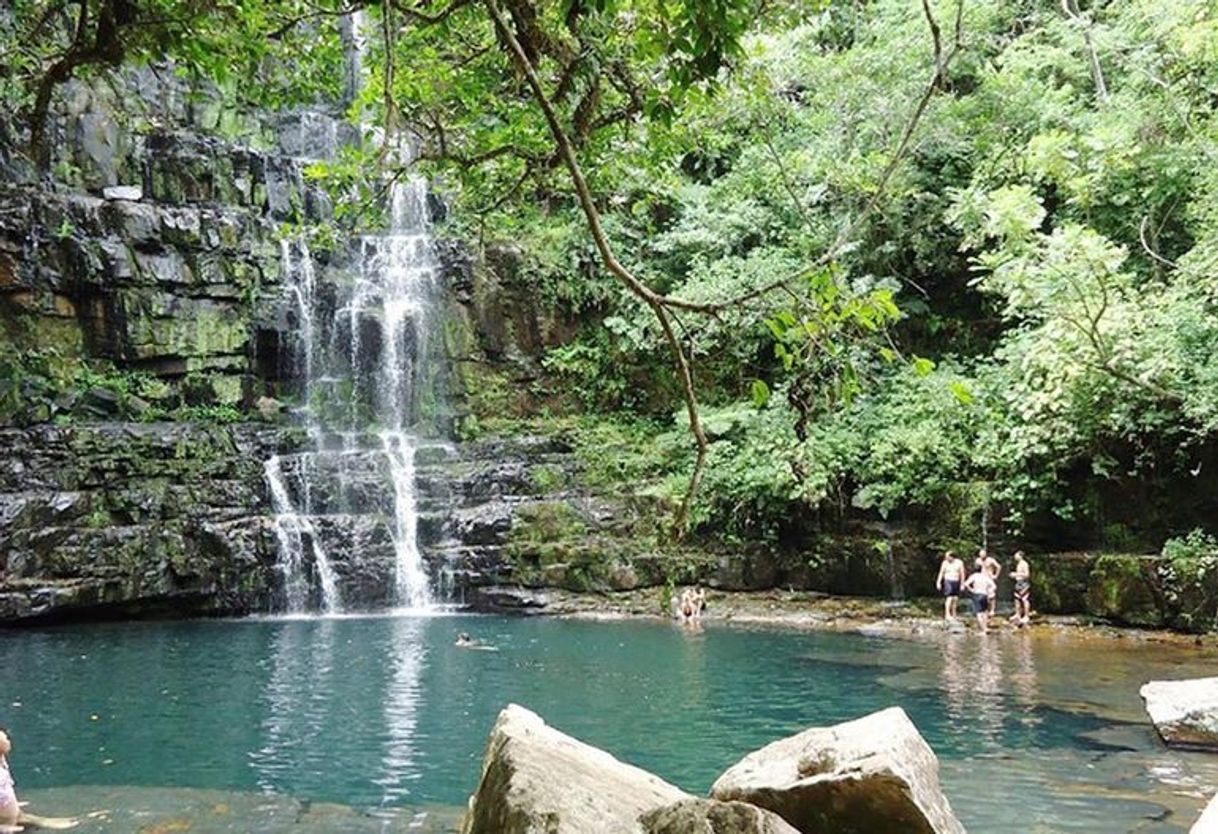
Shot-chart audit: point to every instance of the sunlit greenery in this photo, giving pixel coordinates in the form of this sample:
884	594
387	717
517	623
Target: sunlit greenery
1020	302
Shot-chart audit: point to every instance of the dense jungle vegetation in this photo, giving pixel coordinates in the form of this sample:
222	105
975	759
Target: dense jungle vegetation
894	259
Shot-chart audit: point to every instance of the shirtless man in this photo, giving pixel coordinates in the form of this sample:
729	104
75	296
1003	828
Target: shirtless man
689	605
990	565
699	599
1023	590
951	575
982	588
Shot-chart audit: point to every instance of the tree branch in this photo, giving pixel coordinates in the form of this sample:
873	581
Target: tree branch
843	238
1159	259
1070	7
653	300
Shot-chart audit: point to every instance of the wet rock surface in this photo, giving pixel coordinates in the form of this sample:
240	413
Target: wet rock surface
121	809
135	519
709	816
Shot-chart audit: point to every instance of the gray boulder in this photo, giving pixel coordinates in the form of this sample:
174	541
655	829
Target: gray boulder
1184	712
709	816
861	777
536	780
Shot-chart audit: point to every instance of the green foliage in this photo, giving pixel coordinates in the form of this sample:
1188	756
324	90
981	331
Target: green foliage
28	388
270	53
1024	306
1193	557
668	592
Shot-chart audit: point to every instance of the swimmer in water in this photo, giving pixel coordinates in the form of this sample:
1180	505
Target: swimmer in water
464	641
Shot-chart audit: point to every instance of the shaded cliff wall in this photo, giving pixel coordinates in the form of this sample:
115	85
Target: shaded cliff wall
141	282
135	519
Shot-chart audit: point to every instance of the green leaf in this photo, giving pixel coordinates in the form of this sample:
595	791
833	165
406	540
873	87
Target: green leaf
961	392
761	393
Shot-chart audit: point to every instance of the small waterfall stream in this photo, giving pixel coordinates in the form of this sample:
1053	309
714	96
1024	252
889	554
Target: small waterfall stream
360	349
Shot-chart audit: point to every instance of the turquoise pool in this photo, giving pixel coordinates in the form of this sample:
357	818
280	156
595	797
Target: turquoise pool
384	719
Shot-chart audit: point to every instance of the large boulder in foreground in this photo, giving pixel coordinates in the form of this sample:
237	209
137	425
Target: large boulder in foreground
862	777
1184	712
709	816
536	780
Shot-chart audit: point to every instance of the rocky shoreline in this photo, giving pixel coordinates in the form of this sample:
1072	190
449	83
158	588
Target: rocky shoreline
820	612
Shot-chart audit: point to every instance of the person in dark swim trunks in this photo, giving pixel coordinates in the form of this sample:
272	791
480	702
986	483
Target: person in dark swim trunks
1023	590
951	576
981	587
993	567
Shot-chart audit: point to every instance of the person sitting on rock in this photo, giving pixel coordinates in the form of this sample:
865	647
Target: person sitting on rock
699	600
687	607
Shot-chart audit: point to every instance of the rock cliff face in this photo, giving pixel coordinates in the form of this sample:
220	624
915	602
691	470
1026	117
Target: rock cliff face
157	249
153	250
128	519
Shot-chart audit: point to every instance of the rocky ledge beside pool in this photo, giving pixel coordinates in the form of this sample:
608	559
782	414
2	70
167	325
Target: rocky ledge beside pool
1185	712
875	773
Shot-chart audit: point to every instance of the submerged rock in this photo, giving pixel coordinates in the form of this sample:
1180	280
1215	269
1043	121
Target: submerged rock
536	779
1185	712
709	816
865	776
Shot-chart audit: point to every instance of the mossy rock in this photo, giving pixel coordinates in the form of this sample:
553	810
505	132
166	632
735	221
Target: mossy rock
547	478
547	521
1124	589
1061	582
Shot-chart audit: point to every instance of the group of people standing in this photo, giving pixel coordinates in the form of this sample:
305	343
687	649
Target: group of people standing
981	587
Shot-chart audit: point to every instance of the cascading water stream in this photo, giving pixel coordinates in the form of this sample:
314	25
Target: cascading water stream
359	359
294	531
402	267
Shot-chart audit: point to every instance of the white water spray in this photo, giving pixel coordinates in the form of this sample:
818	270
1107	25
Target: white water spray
360	365
294	532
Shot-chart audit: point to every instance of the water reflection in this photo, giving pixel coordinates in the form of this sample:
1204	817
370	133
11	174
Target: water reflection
974	685
407	656
954	684
1024	679
298	703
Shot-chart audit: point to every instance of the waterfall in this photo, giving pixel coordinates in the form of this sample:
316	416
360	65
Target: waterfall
360	348
292	530
400	268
